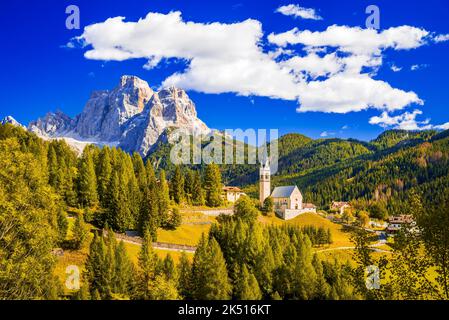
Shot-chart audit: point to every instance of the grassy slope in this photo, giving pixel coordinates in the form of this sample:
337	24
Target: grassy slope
340	236
194	224
134	249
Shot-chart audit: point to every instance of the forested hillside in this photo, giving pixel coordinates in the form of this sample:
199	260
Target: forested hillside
239	258
41	180
377	175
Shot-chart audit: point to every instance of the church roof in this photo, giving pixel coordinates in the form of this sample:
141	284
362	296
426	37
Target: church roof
283	192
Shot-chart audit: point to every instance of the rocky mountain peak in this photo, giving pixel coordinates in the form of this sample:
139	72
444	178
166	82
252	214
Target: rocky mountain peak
53	124
12	121
131	116
133	82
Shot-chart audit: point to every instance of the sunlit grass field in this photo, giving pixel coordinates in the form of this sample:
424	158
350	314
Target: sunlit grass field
340	234
194	224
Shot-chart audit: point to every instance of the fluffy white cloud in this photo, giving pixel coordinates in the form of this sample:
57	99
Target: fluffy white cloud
354	39
441	38
221	57
344	93
299	12
332	70
314	65
406	121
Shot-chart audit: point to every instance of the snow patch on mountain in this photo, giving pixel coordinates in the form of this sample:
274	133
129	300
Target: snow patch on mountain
12	121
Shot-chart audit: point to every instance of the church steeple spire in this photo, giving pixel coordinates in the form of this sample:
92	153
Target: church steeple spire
264	181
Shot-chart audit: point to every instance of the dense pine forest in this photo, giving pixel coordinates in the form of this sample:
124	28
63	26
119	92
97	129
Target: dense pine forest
377	176
238	258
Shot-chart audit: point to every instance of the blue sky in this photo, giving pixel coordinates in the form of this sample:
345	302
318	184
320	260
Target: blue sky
39	74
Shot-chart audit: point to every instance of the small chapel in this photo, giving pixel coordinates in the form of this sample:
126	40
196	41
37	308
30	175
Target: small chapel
288	200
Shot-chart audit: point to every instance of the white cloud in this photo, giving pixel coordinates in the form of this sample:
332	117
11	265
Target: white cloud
395	68
441	38
444	126
325	134
406	121
332	71
221	57
299	12
314	65
418	66
345	93
354	39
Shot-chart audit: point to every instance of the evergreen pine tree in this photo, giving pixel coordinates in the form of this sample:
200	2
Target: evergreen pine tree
322	289
196	190
188	184
177	186
148	261
212	185
124	271
80	232
63	224
104	173
184	270
264	270
87	183
98	270
209	274
246	287
305	277
169	269
174	220
53	168
163	198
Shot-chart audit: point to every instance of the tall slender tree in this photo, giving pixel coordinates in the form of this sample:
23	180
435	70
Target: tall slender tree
148	261
177	186
213	185
87	181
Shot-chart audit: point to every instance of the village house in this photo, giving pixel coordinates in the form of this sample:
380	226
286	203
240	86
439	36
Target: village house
232	194
309	207
395	223
287	200
340	207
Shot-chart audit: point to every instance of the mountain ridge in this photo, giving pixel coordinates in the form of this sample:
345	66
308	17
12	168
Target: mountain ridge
131	116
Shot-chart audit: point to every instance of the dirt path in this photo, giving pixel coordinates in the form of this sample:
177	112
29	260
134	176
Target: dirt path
372	247
159	245
210	212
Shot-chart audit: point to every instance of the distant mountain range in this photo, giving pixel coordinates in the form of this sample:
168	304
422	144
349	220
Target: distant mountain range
131	116
135	118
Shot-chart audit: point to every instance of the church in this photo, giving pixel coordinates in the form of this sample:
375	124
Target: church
288	200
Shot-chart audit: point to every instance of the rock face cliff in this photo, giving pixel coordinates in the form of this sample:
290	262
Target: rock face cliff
12	121
131	116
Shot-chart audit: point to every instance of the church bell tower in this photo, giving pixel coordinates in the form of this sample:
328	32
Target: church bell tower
264	181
